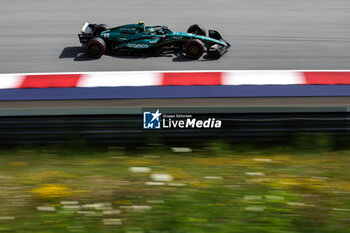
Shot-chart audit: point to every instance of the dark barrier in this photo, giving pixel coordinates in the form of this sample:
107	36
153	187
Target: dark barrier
125	125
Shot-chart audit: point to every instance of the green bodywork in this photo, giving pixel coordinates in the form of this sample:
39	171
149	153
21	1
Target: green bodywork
138	36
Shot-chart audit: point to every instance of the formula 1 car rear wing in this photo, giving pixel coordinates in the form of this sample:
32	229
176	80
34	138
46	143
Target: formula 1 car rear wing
87	32
86	29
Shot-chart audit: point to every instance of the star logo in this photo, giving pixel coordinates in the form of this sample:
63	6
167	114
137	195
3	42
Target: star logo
156	115
152	120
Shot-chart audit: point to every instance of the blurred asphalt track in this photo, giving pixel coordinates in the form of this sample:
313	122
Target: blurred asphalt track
41	35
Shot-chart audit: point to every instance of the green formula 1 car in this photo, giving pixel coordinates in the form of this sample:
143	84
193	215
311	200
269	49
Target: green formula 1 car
153	40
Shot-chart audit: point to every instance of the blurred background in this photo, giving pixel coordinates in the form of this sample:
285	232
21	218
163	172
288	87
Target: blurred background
278	165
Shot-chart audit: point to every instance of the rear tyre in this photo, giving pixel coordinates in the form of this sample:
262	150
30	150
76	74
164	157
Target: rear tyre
100	28
194	49
196	29
95	47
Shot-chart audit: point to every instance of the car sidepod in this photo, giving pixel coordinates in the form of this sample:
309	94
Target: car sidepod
140	44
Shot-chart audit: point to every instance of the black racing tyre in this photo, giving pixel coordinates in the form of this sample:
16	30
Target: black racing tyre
197	29
214	54
100	28
95	47
194	49
215	35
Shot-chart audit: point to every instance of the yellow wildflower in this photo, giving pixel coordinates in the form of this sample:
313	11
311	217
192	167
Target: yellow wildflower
52	191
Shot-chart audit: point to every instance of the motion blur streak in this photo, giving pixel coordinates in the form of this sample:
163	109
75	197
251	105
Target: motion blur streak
41	35
214	190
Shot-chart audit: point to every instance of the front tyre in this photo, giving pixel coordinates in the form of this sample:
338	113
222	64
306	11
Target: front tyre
196	29
194	49
95	48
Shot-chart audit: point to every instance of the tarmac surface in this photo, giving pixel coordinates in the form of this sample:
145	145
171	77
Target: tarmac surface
41	35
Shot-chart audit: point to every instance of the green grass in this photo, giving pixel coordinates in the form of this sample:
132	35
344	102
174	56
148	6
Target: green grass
213	190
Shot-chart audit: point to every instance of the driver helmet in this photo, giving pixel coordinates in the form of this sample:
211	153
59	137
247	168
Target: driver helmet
141	26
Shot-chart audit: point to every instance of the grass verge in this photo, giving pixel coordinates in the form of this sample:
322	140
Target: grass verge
216	189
